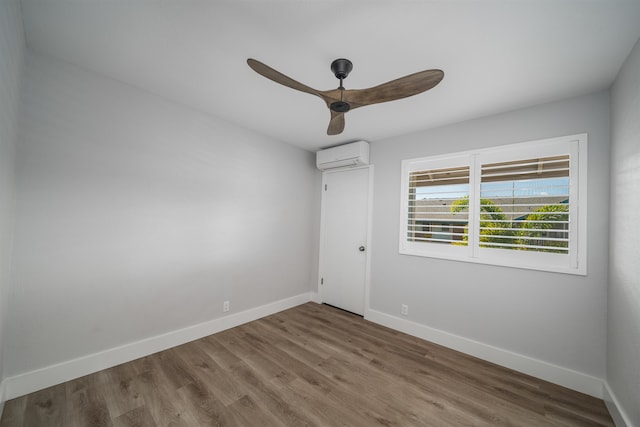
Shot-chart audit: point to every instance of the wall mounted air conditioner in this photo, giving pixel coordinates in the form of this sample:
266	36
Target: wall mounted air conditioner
353	154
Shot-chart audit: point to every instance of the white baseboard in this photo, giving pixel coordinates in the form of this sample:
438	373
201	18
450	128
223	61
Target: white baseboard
620	418
39	379
315	297
3	386
555	374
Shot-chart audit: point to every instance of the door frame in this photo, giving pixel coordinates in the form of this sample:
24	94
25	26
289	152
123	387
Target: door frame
367	274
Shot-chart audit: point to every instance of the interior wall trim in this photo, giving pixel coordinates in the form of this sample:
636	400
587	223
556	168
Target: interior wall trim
3	385
574	380
618	415
38	379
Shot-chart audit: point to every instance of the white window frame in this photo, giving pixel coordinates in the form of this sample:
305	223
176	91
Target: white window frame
572	263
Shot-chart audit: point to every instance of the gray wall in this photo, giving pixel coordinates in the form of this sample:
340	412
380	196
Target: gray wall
137	216
555	318
623	334
12	48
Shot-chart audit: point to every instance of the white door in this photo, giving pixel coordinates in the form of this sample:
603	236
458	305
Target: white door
343	250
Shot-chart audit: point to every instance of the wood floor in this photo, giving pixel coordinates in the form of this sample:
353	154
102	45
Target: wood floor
312	365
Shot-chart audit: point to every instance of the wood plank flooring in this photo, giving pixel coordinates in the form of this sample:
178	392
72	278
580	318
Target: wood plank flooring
312	365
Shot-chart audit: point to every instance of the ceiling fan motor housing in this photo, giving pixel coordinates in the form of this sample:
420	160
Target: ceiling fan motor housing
340	106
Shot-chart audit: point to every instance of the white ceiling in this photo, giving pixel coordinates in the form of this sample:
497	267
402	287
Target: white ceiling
497	55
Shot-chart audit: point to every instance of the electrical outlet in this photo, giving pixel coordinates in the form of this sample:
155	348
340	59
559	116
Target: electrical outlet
405	310
225	306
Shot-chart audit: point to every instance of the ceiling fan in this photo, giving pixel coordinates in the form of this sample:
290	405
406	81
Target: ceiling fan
341	100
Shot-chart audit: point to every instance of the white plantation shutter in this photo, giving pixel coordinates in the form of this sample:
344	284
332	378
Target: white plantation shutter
535	216
432	222
520	205
432	214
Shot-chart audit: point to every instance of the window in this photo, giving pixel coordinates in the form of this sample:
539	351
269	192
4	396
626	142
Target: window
520	205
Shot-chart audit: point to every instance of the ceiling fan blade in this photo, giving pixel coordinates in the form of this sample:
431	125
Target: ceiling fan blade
278	77
336	124
403	87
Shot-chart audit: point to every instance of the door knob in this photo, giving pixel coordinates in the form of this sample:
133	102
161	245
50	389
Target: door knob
361	248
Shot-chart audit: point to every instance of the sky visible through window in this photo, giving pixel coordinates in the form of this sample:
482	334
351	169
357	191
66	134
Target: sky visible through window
522	188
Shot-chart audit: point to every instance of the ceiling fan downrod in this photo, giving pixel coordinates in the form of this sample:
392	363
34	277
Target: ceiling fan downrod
341	68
